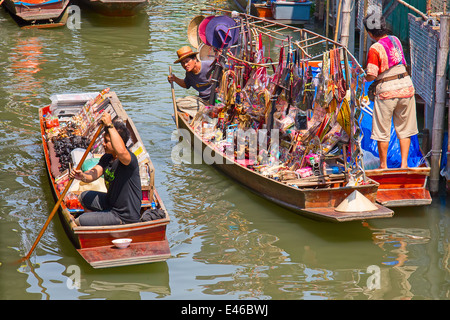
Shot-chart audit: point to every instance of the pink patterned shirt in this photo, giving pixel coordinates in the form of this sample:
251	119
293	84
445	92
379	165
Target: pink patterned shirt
384	54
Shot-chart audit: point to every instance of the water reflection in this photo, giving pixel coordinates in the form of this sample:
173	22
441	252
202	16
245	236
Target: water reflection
416	252
253	240
26	59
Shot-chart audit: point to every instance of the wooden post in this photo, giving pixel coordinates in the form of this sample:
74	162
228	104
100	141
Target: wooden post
346	17
321	9
338	19
439	109
448	146
327	23
363	40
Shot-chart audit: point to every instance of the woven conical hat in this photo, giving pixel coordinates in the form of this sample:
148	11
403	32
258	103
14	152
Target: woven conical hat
206	52
356	202
192	31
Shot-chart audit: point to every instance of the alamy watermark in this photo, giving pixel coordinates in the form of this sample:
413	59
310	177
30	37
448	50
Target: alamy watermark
374	14
74	280
74	19
374	281
237	145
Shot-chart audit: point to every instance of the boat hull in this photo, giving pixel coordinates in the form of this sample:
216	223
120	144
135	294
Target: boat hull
317	203
94	244
402	187
116	8
40	15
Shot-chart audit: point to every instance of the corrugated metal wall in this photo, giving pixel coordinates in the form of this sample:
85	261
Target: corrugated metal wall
399	18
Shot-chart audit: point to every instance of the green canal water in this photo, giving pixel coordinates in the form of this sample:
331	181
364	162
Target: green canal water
226	242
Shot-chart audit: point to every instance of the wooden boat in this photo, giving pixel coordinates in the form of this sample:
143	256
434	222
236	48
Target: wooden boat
149	242
38	13
402	187
116	8
321	196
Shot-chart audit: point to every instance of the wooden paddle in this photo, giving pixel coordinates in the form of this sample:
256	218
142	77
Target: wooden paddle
173	99
338	18
63	194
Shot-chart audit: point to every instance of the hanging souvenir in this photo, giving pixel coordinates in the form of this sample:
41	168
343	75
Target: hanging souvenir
340	83
343	117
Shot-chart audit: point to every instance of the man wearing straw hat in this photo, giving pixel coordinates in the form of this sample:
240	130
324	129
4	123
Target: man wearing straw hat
196	77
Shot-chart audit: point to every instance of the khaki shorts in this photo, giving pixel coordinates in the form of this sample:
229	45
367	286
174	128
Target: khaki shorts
191	105
401	110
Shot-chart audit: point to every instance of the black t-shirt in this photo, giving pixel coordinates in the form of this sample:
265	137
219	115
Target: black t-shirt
124	187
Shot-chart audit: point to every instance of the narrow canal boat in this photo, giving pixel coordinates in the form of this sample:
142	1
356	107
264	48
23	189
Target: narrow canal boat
306	156
398	187
116	8
68	121
38	13
402	187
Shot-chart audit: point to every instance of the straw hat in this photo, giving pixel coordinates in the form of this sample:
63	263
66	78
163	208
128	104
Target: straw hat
206	52
193	31
184	52
202	29
356	202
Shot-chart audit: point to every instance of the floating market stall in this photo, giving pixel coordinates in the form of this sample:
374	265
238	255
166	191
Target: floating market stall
286	125
68	126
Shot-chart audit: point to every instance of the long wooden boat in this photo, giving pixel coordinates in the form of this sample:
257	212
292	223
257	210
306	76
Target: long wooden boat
38	13
402	187
290	181
317	202
116	8
149	241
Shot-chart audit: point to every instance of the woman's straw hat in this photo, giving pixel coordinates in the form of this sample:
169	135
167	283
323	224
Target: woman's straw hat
192	31
184	52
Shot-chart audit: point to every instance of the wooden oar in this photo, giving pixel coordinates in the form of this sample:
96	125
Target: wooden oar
173	99
336	30
63	194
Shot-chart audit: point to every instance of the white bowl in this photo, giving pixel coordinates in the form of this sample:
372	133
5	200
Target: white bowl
122	243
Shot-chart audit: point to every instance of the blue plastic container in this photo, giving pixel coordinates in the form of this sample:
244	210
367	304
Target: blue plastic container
291	10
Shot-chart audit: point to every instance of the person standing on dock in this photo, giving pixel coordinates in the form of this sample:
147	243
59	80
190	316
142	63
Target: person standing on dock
196	77
394	91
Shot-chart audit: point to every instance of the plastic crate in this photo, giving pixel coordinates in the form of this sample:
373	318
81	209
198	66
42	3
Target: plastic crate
291	10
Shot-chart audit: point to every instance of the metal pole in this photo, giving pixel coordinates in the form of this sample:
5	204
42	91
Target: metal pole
410	7
439	111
